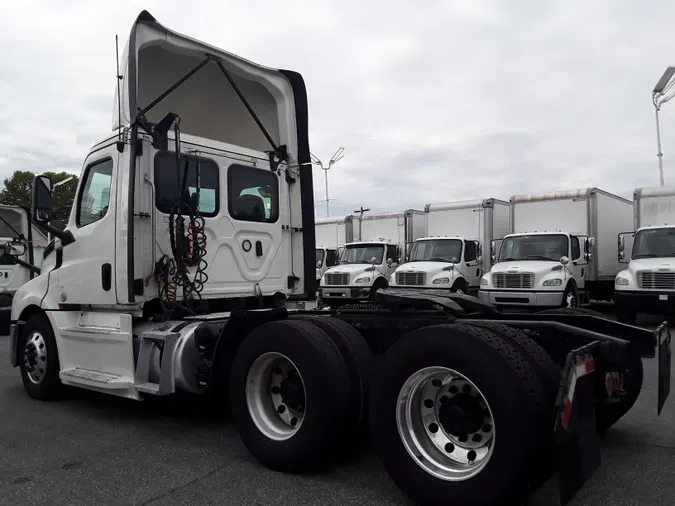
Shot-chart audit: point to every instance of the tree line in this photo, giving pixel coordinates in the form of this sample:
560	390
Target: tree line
19	186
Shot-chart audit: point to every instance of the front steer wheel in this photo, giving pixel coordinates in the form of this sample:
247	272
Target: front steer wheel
290	395
39	359
454	414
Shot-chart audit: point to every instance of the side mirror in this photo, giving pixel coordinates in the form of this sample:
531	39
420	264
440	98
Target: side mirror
373	260
564	260
42	199
389	262
621	243
318	264
479	259
14	248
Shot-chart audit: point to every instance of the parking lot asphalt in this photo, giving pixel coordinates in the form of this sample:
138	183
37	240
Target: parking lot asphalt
95	449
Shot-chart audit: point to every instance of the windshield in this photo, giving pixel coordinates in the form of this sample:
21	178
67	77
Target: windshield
319	256
362	254
437	250
656	243
534	247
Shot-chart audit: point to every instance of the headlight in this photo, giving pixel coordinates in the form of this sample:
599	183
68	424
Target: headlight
553	282
484	282
441	281
621	281
362	280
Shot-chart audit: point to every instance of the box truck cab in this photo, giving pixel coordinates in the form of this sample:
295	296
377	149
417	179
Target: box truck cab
441	262
647	285
325	259
364	268
561	250
450	256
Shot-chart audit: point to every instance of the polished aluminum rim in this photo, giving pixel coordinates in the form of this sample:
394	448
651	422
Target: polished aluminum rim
445	423
275	395
35	357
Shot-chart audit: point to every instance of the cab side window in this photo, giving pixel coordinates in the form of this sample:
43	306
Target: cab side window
392	252
576	249
470	251
331	257
252	194
94	197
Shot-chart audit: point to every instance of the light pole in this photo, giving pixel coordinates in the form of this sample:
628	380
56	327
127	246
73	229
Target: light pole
658	99
334	159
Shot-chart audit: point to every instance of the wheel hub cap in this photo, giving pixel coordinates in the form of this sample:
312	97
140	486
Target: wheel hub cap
35	357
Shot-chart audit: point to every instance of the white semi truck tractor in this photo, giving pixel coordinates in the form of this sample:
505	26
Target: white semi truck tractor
561	250
450	255
647	285
188	266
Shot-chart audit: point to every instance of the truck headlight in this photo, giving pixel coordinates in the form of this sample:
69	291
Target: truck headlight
484	282
621	281
553	282
441	281
362	280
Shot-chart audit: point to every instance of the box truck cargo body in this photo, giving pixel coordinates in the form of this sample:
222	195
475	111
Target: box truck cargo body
450	255
367	263
561	249
647	285
331	234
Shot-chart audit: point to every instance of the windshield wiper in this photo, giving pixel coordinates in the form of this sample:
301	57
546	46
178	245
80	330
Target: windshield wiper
540	257
508	259
649	255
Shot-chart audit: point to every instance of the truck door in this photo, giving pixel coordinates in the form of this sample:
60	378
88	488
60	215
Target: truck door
578	265
471	269
87	266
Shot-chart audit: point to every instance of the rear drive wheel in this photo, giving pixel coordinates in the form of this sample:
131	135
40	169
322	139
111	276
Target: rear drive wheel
358	358
453	415
290	395
39	359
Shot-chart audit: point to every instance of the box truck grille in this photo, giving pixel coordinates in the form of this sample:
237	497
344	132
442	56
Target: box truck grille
521	280
656	280
337	279
411	278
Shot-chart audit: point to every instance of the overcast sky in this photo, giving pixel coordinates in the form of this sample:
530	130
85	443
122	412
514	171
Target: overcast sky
433	101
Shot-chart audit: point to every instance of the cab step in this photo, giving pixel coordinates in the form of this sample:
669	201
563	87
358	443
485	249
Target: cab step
87	377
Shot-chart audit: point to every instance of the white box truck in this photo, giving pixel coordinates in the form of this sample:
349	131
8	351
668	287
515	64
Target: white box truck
647	285
450	254
367	263
562	249
331	234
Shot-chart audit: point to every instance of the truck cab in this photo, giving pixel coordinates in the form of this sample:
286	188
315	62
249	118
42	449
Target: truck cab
364	268
452	263
647	285
325	258
538	269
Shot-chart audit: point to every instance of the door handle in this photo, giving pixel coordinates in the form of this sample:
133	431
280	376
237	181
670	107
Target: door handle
106	276
258	248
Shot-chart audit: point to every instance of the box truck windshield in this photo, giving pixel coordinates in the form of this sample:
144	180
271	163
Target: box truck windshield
655	243
534	247
436	250
362	254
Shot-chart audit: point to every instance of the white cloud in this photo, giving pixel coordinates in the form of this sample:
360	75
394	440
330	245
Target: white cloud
432	102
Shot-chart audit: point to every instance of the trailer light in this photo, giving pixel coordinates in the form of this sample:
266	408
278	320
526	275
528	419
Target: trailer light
362	280
621	281
553	282
441	281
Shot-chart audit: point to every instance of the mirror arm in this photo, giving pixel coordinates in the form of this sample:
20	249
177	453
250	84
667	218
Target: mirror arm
30	267
66	236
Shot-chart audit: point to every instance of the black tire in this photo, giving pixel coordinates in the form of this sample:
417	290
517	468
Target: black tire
573	310
358	358
327	394
548	373
460	284
571	289
607	415
510	387
377	285
49	387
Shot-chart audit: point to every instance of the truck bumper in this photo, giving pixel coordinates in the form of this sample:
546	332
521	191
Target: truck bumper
515	298
645	302
343	293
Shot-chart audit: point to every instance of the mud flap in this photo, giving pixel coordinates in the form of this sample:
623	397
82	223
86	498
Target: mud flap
662	338
576	436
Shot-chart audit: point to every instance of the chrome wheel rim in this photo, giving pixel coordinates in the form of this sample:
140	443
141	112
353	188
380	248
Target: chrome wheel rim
35	357
275	395
445	423
570	300
459	291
